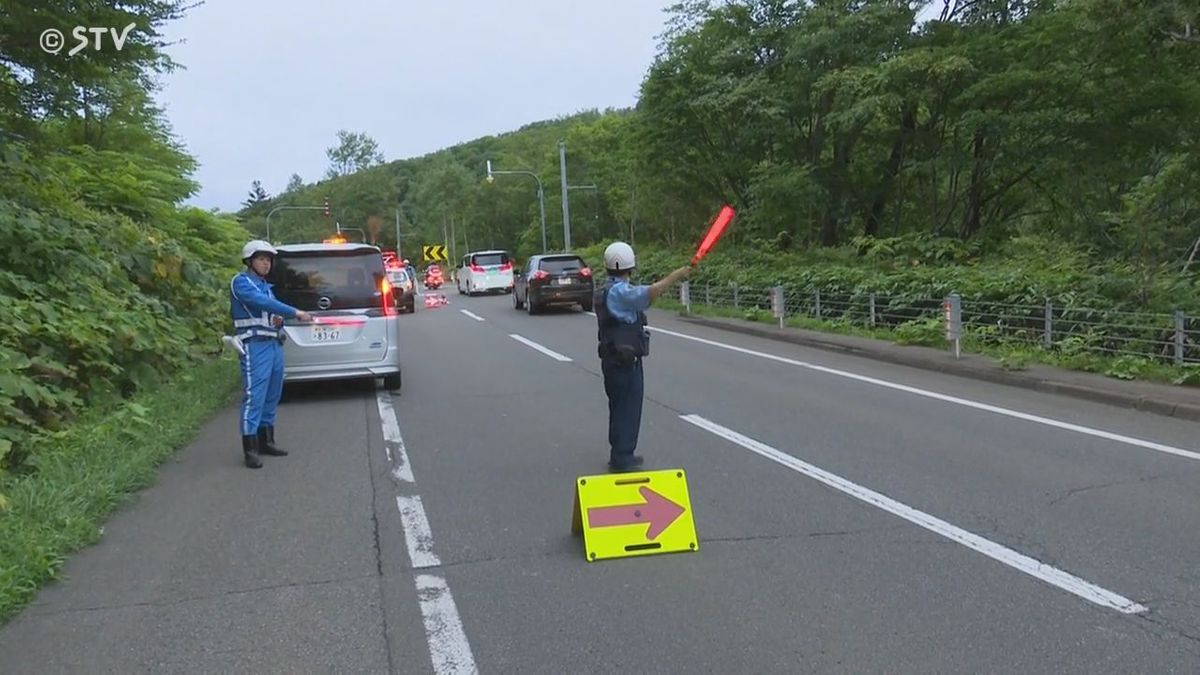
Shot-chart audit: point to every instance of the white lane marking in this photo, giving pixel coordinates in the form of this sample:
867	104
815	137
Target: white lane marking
401	469
548	352
473	315
417	533
1099	433
1019	561
448	646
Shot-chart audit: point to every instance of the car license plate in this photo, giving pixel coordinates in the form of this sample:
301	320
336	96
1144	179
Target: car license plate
323	333
564	281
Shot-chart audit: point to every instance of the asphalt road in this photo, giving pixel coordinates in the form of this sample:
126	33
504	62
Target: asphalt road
853	516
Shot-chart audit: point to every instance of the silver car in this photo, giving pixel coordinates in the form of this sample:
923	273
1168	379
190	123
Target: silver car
355	328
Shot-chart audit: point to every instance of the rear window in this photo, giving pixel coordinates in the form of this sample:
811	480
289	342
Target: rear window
489	259
561	265
349	279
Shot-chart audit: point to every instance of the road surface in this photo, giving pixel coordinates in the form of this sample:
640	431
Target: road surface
853	516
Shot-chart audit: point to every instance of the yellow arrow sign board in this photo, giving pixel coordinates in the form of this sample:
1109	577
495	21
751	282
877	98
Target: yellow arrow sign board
433	253
631	514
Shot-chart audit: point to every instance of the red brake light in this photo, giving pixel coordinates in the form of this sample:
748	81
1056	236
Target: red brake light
585	272
541	274
385	288
506	267
476	268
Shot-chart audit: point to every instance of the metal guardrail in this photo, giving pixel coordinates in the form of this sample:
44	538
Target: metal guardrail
1165	338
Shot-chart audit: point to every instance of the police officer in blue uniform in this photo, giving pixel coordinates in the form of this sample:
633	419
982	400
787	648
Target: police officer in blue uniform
257	321
624	340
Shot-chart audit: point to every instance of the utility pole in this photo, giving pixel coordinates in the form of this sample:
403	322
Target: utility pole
562	170
444	227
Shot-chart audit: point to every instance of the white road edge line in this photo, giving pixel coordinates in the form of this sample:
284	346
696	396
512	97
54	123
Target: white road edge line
1019	561
448	646
548	352
471	314
402	469
1099	433
449	649
417	534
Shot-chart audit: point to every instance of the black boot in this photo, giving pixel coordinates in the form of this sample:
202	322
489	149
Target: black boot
250	450
266	442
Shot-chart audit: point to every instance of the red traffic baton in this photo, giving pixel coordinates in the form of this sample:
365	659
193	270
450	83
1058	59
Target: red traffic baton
724	217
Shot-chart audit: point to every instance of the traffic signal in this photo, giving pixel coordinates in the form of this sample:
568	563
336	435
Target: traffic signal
326	207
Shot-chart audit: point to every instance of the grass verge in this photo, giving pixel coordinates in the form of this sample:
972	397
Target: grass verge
83	473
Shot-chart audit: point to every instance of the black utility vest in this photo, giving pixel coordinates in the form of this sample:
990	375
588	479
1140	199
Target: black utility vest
619	341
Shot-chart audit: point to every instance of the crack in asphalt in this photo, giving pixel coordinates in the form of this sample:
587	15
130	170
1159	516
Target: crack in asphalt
198	598
387	634
1163	630
1100	486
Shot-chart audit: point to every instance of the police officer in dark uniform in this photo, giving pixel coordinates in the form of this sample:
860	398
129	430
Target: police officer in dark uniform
258	320
624	340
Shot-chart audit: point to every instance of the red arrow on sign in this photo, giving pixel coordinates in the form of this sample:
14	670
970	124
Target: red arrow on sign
657	510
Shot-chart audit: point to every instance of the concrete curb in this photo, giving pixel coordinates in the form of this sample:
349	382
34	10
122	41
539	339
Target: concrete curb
1108	396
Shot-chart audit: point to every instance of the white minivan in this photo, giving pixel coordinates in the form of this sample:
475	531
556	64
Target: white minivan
354	332
484	272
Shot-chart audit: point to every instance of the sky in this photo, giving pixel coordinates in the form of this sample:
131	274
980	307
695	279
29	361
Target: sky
267	84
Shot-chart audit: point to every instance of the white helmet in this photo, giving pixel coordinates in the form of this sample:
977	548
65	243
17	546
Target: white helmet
255	247
619	256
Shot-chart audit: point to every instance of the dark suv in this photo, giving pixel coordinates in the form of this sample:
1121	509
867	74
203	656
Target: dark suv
553	279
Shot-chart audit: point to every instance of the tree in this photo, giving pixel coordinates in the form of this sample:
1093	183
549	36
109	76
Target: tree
353	153
294	183
257	194
36	84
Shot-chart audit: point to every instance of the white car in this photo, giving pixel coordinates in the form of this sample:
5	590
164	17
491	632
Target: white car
484	272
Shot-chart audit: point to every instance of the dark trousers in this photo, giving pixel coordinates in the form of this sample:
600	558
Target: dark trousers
623	385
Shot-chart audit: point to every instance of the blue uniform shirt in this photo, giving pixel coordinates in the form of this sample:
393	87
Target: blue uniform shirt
251	304
625	300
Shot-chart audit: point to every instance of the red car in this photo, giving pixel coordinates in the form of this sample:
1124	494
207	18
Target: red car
433	277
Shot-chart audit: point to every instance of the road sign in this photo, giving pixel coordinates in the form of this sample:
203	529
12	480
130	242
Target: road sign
434	253
633	514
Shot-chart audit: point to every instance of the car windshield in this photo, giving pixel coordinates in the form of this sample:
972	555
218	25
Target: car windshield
347	279
560	265
490	259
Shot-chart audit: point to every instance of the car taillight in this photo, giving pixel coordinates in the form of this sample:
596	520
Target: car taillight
476	268
385	288
506	267
585	272
540	275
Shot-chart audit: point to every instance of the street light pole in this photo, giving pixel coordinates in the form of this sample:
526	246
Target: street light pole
541	194
562	170
288	208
